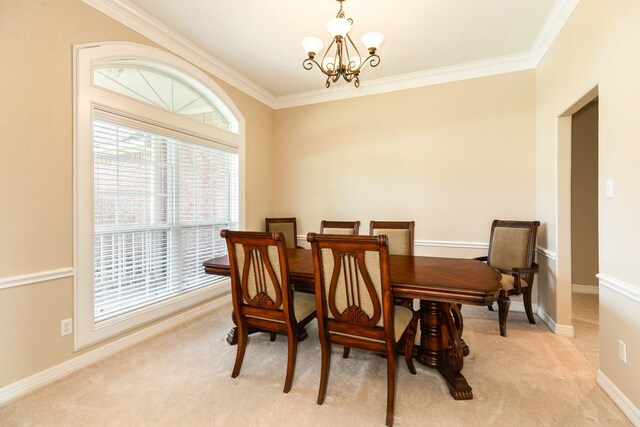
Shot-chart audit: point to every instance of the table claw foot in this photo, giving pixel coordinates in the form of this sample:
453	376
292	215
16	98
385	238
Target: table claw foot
232	337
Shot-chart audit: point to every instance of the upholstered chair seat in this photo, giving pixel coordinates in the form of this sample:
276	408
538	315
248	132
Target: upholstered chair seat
508	282
262	295
354	303
512	247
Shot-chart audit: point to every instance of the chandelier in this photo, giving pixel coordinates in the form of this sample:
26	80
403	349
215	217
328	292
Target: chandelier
346	61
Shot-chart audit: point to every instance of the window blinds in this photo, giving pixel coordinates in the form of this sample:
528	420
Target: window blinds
159	206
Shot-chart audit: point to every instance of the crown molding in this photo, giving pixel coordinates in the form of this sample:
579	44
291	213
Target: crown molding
557	18
143	23
469	70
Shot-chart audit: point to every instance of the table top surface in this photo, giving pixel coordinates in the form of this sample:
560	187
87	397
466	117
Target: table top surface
457	280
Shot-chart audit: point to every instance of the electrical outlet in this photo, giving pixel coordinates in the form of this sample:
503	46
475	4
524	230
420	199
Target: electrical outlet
66	327
622	351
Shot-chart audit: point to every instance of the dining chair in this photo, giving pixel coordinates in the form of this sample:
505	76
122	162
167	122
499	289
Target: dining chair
512	248
400	234
401	242
339	227
262	294
355	304
286	226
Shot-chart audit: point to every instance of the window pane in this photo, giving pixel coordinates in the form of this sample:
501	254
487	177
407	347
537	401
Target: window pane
160	89
159	206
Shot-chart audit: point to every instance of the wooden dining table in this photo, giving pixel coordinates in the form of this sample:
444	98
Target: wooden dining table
441	284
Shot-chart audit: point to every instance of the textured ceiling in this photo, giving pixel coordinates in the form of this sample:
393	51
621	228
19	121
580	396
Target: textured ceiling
261	39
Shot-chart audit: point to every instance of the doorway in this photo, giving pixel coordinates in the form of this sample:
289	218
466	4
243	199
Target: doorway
584	230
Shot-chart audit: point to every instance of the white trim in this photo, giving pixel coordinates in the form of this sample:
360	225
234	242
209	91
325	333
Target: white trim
557	18
519	307
87	100
27	385
434	76
41	276
561	330
138	20
547	253
143	23
584	289
619	286
448	244
435	243
626	406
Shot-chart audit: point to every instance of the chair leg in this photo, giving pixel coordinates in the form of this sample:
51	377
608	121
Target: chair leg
324	371
490	307
345	352
243	335
503	311
391	386
272	336
409	338
526	298
292	342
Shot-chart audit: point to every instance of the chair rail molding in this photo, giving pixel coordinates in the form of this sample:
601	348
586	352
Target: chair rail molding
619	286
40	276
547	253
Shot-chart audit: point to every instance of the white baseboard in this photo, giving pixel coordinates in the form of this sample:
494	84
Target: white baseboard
585	289
519	307
626	406
561	330
27	385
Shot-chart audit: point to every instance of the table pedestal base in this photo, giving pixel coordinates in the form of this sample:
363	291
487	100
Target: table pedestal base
441	345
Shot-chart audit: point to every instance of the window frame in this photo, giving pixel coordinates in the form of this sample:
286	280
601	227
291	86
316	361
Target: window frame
89	99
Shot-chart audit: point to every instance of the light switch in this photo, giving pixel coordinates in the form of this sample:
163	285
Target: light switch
609	188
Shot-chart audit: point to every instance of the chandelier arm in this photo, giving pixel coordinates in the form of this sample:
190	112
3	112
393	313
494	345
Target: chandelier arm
357	53
328	71
340	12
373	60
307	64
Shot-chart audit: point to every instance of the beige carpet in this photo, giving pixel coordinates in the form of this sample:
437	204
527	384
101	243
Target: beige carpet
585	324
182	378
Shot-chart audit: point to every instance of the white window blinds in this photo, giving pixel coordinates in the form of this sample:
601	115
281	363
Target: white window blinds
159	205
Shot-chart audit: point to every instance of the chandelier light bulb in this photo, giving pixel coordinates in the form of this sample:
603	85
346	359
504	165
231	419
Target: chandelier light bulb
338	27
312	45
372	40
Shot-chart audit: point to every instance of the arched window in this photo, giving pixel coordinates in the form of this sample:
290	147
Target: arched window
158	166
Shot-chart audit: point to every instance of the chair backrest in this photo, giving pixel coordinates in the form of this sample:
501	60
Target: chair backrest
259	275
400	234
353	286
512	244
286	226
340	227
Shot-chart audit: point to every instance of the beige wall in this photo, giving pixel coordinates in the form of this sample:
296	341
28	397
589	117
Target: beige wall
36	175
452	157
584	196
596	48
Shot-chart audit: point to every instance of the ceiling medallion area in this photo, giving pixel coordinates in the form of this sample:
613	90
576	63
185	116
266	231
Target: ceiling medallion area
345	59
